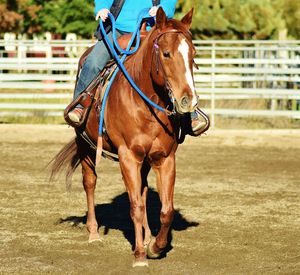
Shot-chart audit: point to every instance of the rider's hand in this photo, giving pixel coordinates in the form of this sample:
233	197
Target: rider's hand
103	14
153	11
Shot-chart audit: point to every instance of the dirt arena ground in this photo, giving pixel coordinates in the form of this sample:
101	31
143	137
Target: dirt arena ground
237	202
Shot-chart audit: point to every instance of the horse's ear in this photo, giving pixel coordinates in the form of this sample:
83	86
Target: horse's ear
161	18
187	19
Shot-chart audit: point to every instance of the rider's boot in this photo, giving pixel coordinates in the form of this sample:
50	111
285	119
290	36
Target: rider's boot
76	114
199	122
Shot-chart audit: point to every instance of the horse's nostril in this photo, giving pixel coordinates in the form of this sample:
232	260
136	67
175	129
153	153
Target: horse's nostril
184	101
183	105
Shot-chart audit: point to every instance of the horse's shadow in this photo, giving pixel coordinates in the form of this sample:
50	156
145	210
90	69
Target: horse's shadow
115	215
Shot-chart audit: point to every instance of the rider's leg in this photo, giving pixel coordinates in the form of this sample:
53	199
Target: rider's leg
92	66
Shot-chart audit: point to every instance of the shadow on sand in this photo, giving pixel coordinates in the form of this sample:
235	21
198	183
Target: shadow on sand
115	215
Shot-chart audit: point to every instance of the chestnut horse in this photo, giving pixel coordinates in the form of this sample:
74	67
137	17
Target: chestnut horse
142	136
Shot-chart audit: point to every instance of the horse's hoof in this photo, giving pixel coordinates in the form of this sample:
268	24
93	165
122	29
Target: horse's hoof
95	237
150	253
140	262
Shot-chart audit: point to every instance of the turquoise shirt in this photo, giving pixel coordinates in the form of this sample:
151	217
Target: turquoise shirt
128	16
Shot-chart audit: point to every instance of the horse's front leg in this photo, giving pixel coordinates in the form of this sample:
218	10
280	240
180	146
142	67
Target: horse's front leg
165	174
131	171
144	174
89	178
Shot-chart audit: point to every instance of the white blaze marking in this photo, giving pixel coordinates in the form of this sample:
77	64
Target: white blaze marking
184	50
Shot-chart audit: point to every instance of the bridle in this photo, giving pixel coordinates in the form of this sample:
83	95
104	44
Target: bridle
159	64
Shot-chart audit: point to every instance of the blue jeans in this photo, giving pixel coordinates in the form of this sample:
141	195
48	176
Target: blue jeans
94	63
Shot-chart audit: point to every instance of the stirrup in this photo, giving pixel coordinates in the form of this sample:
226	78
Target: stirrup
198	125
201	128
76	114
85	98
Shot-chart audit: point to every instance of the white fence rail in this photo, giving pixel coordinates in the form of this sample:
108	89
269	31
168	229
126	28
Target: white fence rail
249	70
228	70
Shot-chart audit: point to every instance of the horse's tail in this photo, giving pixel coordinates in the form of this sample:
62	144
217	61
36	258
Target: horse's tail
66	159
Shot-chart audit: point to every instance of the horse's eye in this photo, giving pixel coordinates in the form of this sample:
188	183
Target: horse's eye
166	54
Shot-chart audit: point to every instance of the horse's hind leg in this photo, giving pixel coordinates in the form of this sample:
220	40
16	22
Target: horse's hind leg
89	183
165	184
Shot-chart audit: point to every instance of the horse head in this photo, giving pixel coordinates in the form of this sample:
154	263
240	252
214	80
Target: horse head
172	61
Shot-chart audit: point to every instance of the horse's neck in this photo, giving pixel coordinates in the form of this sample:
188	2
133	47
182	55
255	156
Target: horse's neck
139	68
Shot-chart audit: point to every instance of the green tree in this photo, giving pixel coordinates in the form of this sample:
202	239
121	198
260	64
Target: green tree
82	23
29	10
291	13
213	19
51	15
61	17
234	19
56	16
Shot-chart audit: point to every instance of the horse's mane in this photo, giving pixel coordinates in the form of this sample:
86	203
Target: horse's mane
134	63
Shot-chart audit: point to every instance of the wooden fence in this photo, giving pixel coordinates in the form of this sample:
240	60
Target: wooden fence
228	70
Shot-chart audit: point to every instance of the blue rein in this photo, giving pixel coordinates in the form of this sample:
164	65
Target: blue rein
136	34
